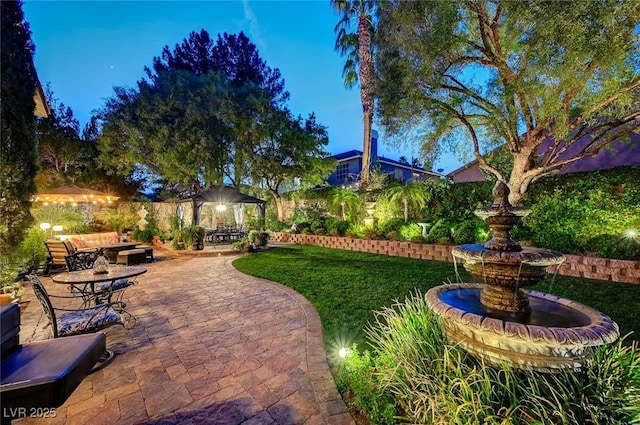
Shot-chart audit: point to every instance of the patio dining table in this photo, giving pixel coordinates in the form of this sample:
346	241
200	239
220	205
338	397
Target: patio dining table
84	281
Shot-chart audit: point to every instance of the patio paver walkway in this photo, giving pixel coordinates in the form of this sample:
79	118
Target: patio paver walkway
210	346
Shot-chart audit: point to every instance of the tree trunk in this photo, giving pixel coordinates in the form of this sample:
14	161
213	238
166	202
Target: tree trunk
521	178
366	150
406	210
279	204
366	75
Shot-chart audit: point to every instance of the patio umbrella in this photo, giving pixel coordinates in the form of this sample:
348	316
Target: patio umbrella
74	194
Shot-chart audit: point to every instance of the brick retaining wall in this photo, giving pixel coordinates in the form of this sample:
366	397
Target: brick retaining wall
575	265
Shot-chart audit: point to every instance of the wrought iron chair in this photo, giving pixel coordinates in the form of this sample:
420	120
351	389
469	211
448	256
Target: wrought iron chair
102	292
68	321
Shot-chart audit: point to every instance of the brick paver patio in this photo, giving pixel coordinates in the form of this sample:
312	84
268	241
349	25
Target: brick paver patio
210	346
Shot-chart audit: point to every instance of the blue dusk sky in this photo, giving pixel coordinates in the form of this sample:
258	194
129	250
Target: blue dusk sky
85	48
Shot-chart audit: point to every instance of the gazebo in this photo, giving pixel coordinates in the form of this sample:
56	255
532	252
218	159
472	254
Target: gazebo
73	194
220	197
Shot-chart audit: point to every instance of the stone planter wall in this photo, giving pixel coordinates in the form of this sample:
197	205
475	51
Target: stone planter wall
575	265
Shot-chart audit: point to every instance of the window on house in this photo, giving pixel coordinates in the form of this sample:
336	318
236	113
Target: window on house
342	171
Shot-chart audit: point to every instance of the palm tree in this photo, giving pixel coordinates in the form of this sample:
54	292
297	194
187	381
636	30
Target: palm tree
359	64
347	200
413	193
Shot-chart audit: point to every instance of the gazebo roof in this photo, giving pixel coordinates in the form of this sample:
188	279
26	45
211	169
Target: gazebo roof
225	195
73	194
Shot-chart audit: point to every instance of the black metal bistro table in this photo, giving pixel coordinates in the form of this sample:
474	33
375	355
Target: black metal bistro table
84	281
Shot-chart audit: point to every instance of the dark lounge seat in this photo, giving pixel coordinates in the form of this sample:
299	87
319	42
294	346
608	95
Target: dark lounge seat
39	376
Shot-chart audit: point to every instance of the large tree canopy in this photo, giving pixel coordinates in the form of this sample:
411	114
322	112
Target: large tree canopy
206	114
289	148
174	126
554	81
59	143
18	148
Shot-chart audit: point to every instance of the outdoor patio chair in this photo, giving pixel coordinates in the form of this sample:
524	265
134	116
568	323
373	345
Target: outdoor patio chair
57	250
103	291
68	321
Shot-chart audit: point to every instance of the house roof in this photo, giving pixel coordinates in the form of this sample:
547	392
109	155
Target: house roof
618	154
354	153
42	107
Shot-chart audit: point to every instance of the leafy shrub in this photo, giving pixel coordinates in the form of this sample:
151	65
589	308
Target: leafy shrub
313	210
303	226
555	222
33	251
394	235
393	225
318	224
457	202
469	231
177	244
371	234
241	244
319	231
340	226
145	236
357	231
350	234
277	226
432	380
263	238
440	231
417	239
329	223
615	246
409	231
356	379
253	237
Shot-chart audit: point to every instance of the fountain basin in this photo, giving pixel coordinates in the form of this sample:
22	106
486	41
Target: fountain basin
505	272
557	334
512	269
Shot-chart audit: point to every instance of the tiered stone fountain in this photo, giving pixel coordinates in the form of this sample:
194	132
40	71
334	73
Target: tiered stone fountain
499	321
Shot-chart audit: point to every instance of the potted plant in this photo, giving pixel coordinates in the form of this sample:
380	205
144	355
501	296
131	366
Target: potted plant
263	238
11	278
193	237
198	242
177	237
242	245
258	238
253	237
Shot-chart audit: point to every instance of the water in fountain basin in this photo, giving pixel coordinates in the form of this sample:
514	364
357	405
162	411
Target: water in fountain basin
543	312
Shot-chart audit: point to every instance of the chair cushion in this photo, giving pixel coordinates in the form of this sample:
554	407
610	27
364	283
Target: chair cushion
79	244
86	321
117	285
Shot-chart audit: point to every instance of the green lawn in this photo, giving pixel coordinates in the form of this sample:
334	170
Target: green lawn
346	287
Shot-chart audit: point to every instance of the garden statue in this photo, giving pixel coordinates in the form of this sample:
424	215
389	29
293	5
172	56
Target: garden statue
142	223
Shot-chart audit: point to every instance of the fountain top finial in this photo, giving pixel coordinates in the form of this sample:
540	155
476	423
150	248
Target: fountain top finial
501	196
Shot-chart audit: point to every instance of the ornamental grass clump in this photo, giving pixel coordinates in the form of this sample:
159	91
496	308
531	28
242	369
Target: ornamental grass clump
432	380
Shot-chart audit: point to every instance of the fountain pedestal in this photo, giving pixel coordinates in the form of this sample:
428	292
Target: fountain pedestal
499	321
